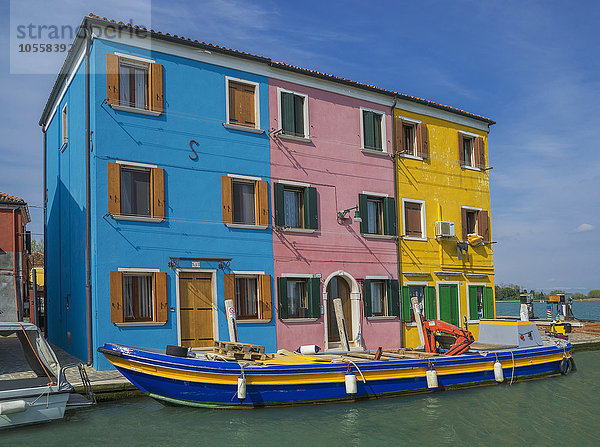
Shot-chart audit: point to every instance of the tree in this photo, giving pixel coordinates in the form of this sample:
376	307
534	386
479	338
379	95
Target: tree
595	293
37	245
556	292
578	296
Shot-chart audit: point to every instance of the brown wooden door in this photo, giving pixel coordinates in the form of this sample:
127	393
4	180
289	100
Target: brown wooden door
338	288
196	309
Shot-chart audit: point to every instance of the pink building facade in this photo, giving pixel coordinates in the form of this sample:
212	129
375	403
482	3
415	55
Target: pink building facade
331	152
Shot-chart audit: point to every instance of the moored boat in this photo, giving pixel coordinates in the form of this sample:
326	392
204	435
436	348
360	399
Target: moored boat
510	351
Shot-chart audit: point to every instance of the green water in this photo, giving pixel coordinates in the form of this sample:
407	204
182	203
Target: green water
547	412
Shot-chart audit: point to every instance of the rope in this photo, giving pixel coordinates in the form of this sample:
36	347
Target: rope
51	383
512	354
357	368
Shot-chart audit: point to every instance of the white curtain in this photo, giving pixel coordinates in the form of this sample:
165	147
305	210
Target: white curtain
377	297
291	208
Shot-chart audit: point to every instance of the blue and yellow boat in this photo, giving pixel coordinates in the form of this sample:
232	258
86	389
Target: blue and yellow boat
208	380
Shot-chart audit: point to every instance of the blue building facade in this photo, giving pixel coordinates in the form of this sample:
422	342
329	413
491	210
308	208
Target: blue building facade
179	181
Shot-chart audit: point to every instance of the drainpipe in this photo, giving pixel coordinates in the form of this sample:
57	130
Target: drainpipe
398	242
15	245
88	242
45	199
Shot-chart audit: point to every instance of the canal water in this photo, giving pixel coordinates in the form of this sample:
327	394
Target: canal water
561	410
584	310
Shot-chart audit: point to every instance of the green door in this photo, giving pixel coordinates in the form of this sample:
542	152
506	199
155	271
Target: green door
449	304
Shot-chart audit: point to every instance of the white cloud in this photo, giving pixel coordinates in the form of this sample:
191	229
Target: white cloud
585	227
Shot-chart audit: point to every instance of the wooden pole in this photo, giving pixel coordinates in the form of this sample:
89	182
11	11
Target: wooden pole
415	305
231	321
341	323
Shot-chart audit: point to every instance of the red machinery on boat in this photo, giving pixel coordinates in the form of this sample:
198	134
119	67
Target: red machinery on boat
431	330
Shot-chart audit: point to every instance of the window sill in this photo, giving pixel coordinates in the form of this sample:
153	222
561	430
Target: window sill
246	226
380	153
472	321
300	320
137	218
470	168
135	110
382	318
242	128
250	320
64	146
377	236
141	323
296	230
411	157
411	324
284	136
413	238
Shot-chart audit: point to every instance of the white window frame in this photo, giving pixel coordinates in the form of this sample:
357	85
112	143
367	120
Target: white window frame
376	197
423	221
139	62
413	122
279	118
256	103
383	131
472	137
474	284
132	271
416	283
64	130
472	208
305	278
248	275
384	280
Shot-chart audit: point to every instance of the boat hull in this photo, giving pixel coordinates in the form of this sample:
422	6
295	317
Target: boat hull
206	383
40	405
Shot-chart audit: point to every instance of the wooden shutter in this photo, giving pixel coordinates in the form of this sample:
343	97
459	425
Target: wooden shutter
405	304
116	297
262	187
488	302
241	104
483	225
377	121
314	297
399	135
229	287
299	116
362	209
226	199
114	188
367	303
393	298
311	213
430	305
156	81
480	152
161	297
368	130
112	79
389	216
282	304
461	151
266	308
288	123
278	201
463	218
413	221
158	192
473	303
423	146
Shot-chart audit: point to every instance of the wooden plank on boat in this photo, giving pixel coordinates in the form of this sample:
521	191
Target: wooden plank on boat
239	351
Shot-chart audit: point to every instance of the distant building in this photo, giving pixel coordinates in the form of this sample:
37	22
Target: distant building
15	244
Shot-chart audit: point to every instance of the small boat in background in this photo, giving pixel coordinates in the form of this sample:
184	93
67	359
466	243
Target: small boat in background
507	351
33	387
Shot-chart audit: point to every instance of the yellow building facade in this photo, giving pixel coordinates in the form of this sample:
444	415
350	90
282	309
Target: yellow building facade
444	220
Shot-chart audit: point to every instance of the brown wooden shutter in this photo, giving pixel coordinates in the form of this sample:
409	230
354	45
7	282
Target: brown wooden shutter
483	225
399	137
461	152
114	188
241	104
161	297
463	217
423	146
412	216
480	151
156	82
226	199
116	297
158	192
229	287
263	202
266	308
112	79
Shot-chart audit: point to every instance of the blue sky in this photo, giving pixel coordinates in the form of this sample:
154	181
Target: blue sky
532	66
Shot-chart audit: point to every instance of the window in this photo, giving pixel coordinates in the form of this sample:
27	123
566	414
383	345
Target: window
138	296
414	219
468	151
380	297
134	83
242	103
475	221
471	221
243	202
136	190
299	297
471	151
410	142
246	297
481	302
410	138
373	131
426	298
419	293
294	114
296	206
378	215
65	124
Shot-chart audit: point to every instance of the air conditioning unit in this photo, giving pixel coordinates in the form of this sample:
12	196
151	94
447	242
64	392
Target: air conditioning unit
444	229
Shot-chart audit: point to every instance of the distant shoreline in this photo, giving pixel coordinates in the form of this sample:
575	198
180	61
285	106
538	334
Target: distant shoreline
518	301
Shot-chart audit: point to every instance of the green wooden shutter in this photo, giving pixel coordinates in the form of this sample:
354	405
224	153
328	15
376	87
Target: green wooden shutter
362	209
473	303
392	293
377	143
314	297
389	216
368	129
287	113
298	116
405	302
367	303
488	303
311	213
430	305
279	212
282	298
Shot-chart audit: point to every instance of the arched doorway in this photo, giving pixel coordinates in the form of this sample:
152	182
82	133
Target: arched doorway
341	285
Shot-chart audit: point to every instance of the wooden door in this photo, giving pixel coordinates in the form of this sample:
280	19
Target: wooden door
449	303
338	288
196	309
